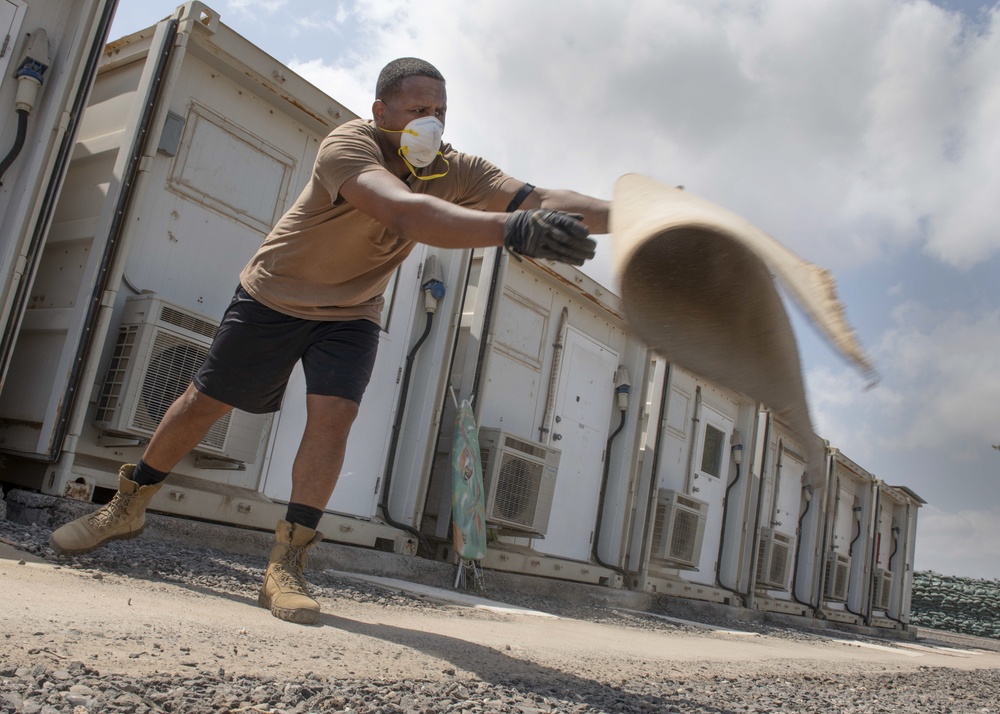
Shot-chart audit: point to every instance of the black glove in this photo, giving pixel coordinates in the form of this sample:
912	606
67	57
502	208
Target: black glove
552	235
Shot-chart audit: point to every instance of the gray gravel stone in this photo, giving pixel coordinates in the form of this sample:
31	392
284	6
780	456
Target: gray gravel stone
75	687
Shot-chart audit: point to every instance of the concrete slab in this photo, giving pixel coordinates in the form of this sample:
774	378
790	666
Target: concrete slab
9	552
691	623
880	648
442	595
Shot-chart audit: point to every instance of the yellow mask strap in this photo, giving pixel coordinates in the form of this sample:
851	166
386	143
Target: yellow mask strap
402	155
399	131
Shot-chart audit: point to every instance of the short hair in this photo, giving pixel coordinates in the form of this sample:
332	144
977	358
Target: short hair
390	79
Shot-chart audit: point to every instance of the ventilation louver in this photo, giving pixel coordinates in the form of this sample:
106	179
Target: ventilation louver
838	576
774	558
883	588
678	529
159	349
519	477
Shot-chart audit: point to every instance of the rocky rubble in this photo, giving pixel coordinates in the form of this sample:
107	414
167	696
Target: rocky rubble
43	682
967	605
78	689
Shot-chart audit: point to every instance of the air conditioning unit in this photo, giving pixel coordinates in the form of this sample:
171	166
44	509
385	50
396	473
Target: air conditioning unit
160	348
838	576
519	477
678	529
883	588
774	559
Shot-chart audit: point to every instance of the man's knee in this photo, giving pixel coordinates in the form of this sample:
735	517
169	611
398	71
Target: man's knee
334	414
198	404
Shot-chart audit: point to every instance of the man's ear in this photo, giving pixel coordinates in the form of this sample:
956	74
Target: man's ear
378	109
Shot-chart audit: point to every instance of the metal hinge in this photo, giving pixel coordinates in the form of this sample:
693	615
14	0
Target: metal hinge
3	50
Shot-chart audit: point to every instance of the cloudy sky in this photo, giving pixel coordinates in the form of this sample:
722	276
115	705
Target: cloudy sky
864	134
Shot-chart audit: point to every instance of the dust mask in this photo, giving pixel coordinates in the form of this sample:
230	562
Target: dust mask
420	144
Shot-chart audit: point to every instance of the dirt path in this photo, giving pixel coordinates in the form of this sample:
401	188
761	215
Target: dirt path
124	624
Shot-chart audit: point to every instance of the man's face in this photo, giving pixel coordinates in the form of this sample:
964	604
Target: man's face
418	97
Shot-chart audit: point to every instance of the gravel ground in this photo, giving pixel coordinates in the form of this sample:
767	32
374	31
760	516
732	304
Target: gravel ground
41	680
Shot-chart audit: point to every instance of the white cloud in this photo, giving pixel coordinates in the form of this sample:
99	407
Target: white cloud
249	7
948	363
965	543
940	391
849	129
346	86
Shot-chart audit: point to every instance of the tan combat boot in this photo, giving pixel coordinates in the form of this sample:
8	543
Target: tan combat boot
284	591
123	517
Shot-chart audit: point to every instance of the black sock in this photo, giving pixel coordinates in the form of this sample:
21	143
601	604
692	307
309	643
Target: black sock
303	515
145	475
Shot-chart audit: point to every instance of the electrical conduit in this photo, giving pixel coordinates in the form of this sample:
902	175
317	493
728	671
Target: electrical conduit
622	389
434	289
737	453
550	401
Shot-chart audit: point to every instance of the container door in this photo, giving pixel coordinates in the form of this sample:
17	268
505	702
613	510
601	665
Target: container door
709	481
584	398
844	525
358	490
787	493
69	266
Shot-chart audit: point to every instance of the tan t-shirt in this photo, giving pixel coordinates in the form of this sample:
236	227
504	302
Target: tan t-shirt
326	260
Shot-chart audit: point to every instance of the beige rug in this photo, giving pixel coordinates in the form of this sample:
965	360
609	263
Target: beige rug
699	286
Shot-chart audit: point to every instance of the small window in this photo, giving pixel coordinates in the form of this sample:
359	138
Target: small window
711	454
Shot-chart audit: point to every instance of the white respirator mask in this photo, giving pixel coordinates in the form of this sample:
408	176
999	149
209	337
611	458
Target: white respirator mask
420	144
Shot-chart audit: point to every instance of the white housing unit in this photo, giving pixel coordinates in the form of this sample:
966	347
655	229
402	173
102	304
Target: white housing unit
678	529
774	557
160	347
519	477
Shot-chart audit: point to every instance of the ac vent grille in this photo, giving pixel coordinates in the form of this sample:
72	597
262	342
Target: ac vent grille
685	535
115	380
883	588
160	348
187	321
525	447
516	500
838	572
774	556
519	477
173	364
678	529
688	502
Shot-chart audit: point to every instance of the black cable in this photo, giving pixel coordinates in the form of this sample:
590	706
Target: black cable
22	132
895	547
850	548
850	554
600	507
755	539
394	442
722	538
795	565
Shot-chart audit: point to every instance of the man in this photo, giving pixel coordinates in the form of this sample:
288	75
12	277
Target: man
313	292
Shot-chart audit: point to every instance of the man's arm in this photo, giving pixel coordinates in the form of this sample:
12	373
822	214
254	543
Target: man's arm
593	210
419	217
536	233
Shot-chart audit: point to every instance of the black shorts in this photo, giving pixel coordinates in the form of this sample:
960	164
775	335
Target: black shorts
255	349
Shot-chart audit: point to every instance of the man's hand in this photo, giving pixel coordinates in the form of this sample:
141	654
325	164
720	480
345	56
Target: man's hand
552	235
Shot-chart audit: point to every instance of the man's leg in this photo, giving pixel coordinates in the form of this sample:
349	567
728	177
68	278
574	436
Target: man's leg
321	453
182	428
314	474
184	425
